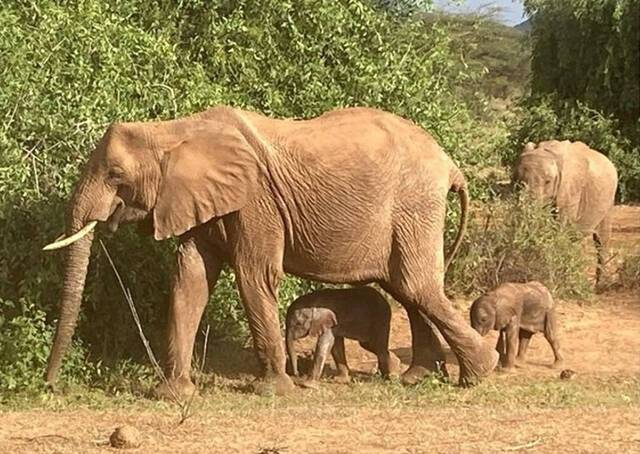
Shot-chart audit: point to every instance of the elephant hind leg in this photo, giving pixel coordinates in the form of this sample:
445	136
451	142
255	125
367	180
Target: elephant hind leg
427	351
475	357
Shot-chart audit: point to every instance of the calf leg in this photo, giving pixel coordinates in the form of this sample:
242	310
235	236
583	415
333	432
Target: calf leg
551	334
340	358
511	340
523	344
324	345
501	347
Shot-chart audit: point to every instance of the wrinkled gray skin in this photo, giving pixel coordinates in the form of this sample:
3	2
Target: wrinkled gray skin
359	313
518	311
580	182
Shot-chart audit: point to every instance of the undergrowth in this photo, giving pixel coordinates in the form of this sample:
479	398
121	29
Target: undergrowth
518	240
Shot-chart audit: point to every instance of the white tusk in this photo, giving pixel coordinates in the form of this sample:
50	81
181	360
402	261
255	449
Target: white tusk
72	239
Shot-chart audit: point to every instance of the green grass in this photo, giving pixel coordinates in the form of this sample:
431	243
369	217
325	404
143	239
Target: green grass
372	393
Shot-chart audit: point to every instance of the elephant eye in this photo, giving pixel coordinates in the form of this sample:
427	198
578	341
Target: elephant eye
115	175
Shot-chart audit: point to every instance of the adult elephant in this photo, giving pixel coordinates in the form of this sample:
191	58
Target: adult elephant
581	182
355	195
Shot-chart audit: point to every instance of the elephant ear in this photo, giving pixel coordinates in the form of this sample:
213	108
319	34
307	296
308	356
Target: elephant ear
211	172
319	325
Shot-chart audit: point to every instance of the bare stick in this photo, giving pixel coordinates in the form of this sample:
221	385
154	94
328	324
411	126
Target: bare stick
136	319
531	444
186	411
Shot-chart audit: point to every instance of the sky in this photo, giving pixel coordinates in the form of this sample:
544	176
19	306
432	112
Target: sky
511	10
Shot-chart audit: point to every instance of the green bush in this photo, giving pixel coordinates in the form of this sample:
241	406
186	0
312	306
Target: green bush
629	272
588	51
545	118
25	339
518	240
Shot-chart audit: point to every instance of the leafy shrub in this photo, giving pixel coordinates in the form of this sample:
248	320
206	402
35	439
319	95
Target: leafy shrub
629	272
518	240
25	339
545	118
588	51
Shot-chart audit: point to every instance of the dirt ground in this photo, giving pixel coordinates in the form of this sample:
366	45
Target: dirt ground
600	340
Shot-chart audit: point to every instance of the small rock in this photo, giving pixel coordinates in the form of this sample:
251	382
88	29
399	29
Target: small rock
125	437
567	374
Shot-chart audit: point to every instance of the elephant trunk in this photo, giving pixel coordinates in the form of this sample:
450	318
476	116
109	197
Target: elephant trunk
291	351
77	262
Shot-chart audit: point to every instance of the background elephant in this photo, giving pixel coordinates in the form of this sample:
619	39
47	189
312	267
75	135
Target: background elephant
580	181
518	311
359	313
356	195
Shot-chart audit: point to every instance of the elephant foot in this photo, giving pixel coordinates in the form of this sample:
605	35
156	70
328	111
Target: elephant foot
394	366
414	374
521	364
558	364
273	384
477	365
342	379
507	369
178	389
309	384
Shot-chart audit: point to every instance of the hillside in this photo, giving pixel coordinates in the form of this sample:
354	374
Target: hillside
497	56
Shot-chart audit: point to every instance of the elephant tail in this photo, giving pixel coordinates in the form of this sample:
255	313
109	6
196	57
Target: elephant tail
459	186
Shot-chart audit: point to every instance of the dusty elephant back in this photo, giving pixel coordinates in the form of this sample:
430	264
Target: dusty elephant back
382	170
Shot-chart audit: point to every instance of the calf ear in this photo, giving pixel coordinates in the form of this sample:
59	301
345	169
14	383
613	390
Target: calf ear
322	323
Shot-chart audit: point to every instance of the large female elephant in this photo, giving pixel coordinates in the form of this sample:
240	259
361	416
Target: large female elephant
580	182
353	196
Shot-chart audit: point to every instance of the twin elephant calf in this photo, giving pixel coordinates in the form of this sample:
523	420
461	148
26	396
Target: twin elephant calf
517	311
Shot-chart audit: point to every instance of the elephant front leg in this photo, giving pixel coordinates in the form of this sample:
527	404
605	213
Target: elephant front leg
197	272
601	238
258	290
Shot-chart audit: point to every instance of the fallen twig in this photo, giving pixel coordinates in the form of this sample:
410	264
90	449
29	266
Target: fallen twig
38	437
531	444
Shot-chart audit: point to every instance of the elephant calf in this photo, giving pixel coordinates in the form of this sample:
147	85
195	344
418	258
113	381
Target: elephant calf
359	313
518	311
